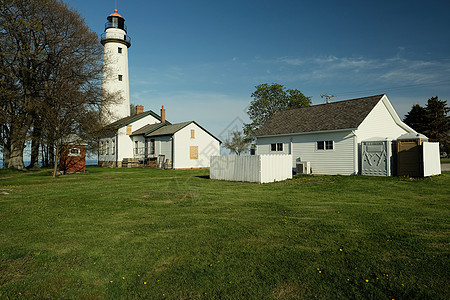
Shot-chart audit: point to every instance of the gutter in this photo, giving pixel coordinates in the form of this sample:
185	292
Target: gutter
309	132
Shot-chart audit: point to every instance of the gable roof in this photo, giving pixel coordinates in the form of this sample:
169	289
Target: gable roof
347	114
170	129
149	128
128	120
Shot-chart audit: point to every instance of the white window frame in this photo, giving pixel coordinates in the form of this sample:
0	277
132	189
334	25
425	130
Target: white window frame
74	153
327	145
278	147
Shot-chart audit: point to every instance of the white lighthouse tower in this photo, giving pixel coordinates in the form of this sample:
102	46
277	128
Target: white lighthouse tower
115	76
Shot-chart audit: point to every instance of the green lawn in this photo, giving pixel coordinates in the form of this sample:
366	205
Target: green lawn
445	160
164	234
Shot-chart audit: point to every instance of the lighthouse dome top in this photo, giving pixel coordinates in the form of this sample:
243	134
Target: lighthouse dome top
115	14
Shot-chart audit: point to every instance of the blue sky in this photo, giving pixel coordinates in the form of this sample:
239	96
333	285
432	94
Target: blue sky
202	59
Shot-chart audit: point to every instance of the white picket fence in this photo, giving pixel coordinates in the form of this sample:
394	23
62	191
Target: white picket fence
254	168
431	159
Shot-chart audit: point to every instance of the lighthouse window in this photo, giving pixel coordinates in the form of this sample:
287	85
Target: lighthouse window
119	50
120	77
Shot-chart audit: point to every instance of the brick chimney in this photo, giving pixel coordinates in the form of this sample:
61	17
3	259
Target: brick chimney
139	109
163	114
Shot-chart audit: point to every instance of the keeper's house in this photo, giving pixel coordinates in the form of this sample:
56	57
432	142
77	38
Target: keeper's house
148	139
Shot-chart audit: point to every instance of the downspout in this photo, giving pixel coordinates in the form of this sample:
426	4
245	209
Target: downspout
356	156
173	152
117	149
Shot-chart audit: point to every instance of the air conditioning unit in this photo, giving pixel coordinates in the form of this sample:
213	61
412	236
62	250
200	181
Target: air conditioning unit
303	167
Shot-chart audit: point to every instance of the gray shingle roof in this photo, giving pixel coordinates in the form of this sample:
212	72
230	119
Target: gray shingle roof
347	114
128	120
169	129
149	128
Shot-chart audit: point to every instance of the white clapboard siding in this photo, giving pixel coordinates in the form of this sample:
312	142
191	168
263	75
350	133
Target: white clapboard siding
431	159
303	147
254	168
165	144
381	123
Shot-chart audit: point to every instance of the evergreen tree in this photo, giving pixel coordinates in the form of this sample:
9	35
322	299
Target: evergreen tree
431	120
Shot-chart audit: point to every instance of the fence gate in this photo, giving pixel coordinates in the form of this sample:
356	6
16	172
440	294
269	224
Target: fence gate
376	158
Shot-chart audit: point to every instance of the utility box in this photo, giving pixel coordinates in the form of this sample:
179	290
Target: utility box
303	167
377	158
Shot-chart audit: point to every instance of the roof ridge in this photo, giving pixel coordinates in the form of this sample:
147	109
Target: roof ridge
338	102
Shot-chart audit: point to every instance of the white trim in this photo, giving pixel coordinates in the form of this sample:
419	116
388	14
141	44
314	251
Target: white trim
394	114
309	132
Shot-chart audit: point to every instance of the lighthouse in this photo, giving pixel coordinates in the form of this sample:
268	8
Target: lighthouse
115	75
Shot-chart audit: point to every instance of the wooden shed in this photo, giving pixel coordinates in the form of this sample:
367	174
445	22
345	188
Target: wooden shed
73	158
409	154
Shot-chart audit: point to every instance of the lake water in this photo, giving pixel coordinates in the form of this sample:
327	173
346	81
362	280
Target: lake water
89	162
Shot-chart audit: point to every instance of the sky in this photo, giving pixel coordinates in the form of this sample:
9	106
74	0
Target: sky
202	59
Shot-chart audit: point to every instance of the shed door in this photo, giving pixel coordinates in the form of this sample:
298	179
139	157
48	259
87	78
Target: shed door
409	162
375	159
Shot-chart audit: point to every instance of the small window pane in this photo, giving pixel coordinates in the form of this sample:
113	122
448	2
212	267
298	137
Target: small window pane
152	146
119	50
120	77
320	145
329	145
280	147
273	147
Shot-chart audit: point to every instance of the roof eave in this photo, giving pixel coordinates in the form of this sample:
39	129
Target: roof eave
309	132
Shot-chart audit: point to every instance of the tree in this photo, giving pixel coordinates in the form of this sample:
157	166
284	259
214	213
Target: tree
416	118
431	120
270	99
50	68
238	143
438	125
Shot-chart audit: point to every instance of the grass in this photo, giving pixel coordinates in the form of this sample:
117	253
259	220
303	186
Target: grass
445	160
164	234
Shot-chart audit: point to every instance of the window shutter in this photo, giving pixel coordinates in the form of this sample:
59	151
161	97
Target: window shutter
193	152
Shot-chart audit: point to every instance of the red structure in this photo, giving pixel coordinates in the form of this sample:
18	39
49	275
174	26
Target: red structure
73	159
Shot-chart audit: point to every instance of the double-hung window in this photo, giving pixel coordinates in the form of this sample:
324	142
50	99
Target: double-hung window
325	145
276	147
